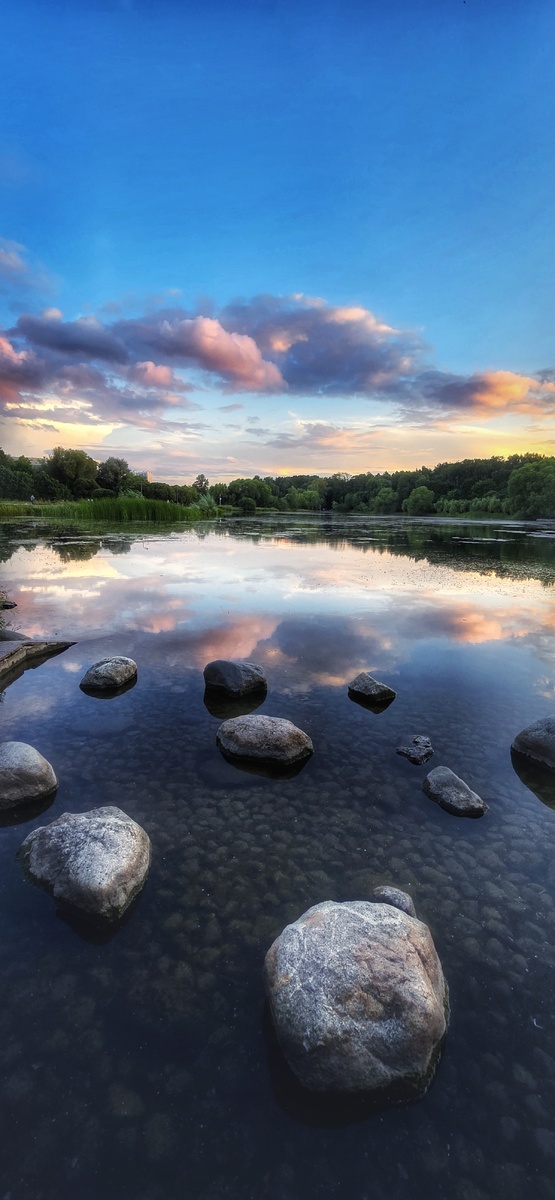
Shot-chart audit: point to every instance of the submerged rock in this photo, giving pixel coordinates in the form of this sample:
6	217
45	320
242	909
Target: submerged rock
358	998
263	739
537	741
453	794
94	862
418	749
370	692
24	775
109	674
394	896
235	677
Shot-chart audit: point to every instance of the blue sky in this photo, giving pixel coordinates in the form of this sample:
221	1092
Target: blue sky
389	167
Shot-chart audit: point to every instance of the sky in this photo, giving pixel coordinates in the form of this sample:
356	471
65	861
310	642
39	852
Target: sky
277	238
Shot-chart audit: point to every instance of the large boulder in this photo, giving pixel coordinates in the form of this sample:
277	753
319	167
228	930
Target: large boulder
109	674
24	775
453	794
263	739
366	690
94	862
537	741
358	998
237	678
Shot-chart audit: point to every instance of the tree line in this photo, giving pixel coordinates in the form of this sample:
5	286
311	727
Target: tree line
522	485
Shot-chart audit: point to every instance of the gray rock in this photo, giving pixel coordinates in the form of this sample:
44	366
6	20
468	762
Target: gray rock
236	677
24	775
358	998
537	741
453	794
109	673
418	749
7	603
264	739
394	896
12	635
95	862
367	688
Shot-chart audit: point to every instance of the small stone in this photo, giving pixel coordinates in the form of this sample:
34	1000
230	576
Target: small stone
452	793
95	862
418	749
109	674
394	896
370	692
537	741
358	998
236	677
24	775
8	604
264	739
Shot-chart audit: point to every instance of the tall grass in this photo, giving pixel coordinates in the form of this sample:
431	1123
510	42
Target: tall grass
124	508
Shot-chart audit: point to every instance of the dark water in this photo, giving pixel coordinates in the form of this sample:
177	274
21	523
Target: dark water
142	1066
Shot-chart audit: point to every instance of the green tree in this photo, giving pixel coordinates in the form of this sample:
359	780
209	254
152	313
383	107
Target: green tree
114	474
201	484
72	468
420	502
531	490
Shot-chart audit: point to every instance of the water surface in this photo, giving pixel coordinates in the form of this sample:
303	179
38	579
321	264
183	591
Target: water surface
142	1066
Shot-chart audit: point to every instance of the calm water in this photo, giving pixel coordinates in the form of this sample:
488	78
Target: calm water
142	1066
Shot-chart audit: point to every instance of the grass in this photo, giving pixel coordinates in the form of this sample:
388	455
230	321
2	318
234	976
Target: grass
122	508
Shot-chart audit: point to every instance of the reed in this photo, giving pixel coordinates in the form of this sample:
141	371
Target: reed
122	508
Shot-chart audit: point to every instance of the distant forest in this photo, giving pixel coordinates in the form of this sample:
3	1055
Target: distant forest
522	485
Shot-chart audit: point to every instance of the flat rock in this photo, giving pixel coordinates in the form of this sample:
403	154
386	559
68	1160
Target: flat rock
94	862
263	739
358	998
418	749
370	691
453	794
235	677
537	741
24	775
109	674
394	896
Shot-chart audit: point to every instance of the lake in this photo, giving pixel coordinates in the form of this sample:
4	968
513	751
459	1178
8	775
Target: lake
143	1065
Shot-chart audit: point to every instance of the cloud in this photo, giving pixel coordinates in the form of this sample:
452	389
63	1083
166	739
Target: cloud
485	393
85	336
229	407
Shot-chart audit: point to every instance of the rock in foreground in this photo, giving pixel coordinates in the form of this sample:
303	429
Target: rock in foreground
537	741
358	998
370	692
453	794
109	674
237	678
24	775
94	862
418	749
263	739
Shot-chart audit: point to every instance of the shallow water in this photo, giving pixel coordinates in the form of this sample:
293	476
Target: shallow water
142	1066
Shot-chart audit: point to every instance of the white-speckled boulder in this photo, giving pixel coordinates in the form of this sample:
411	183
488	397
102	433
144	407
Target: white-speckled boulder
109	674
367	689
453	794
94	862
263	739
358	998
537	741
24	775
235	677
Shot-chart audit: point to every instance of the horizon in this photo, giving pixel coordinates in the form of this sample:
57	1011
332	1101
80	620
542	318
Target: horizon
290	242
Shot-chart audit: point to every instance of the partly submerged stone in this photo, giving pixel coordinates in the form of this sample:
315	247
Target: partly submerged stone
453	794
109	674
236	677
358	998
370	692
24	775
418	749
94	862
385	894
263	739
537	741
